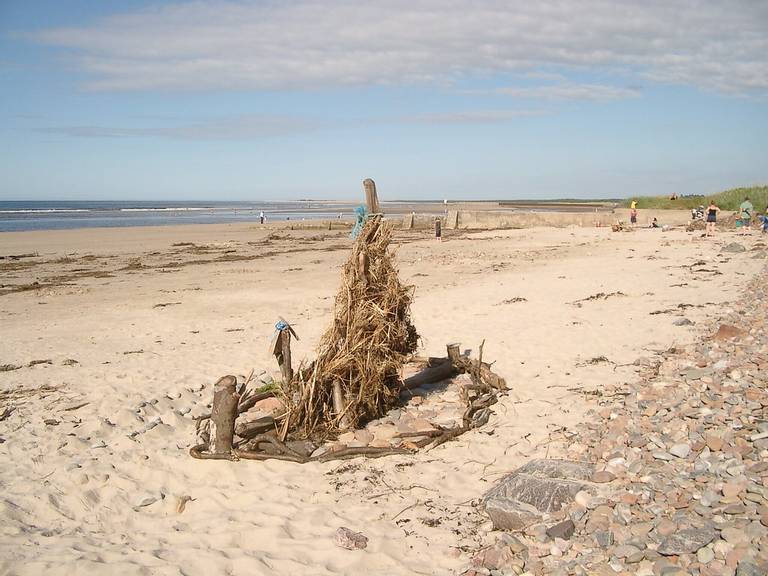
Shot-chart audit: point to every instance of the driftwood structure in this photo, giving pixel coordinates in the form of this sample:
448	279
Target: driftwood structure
355	377
262	441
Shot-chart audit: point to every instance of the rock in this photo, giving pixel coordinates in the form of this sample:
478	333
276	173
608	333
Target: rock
733	535
346	538
625	550
270	405
682	322
603	538
564	530
749	568
680	450
727	332
733	247
705	555
497	557
714	443
602	476
514	543
143	500
686	541
542	485
509	514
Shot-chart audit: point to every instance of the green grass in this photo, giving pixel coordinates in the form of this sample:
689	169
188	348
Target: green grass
727	200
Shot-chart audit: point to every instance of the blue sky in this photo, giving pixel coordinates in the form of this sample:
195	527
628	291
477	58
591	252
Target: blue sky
458	99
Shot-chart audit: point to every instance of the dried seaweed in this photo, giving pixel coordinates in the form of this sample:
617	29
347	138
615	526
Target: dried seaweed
363	350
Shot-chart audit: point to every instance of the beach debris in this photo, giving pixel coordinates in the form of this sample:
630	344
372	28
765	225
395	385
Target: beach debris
7	411
166	304
181	503
733	247
9	367
598	296
514	300
349	539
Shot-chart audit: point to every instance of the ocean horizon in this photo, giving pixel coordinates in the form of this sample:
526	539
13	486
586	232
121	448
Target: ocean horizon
23	215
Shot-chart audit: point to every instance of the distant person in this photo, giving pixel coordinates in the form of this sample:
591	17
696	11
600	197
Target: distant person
633	205
262	218
712	211
655	223
746	210
633	216
764	220
438	229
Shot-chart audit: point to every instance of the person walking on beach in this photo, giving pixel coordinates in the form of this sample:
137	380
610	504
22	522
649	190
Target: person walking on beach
261	217
746	210
712	211
633	212
764	220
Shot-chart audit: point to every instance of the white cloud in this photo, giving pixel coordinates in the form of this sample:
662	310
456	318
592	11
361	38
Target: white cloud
470	117
568	91
306	44
247	127
253	127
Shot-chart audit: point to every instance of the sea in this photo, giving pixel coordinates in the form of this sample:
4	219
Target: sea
61	215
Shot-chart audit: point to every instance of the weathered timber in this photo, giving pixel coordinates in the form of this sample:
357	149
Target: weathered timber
284	354
430	375
371	198
225	400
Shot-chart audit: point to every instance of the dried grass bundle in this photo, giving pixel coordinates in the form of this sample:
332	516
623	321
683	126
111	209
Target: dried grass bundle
361	354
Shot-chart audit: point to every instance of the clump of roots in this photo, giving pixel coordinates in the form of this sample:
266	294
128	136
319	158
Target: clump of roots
356	375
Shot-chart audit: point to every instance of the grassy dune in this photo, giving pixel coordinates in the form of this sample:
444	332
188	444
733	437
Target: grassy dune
727	200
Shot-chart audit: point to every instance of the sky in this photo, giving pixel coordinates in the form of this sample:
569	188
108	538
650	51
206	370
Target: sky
433	99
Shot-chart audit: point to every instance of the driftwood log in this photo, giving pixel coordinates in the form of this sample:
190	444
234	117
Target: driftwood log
223	415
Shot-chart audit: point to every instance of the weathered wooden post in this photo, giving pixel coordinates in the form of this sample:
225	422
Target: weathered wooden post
454	353
223	415
371	198
281	348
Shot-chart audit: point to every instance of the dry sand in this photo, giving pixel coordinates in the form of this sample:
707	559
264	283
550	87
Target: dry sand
134	325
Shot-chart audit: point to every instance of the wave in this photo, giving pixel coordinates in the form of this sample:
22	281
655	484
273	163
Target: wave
43	210
177	209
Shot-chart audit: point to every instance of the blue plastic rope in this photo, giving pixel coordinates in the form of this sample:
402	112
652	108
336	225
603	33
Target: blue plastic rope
361	213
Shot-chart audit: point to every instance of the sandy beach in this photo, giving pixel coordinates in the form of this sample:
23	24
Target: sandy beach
111	340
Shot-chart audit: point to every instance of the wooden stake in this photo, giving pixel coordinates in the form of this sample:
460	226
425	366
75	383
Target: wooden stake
339	405
454	353
283	355
371	198
225	400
